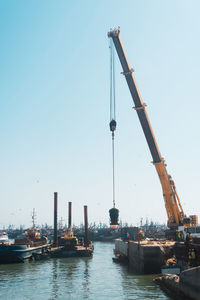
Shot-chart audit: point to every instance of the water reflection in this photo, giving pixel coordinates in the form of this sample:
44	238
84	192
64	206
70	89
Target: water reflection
141	286
13	271
70	277
54	282
85	283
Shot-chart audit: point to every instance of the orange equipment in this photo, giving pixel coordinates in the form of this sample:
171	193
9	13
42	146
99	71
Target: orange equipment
175	213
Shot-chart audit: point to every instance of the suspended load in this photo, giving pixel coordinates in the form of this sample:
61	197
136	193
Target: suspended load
114	215
113	125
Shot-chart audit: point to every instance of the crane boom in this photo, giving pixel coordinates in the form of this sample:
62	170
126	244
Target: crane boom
173	206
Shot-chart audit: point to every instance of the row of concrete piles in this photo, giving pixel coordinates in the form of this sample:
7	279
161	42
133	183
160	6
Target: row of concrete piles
55	240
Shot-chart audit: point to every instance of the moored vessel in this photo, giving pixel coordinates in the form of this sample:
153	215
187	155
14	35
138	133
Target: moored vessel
24	247
3	237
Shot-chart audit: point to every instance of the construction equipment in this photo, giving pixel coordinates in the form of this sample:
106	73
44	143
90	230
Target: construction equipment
113	212
175	213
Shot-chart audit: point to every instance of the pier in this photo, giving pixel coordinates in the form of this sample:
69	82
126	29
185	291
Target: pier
144	257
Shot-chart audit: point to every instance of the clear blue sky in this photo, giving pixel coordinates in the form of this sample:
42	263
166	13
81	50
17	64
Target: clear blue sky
54	104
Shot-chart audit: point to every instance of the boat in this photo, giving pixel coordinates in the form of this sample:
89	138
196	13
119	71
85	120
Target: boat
120	259
3	237
24	248
12	253
70	246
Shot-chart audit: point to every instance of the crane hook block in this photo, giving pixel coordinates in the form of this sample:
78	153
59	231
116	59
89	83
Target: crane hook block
113	125
114	215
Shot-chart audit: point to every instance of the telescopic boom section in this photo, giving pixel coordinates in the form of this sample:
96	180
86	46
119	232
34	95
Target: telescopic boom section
173	206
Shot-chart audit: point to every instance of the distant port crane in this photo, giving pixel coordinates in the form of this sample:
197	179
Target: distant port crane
175	213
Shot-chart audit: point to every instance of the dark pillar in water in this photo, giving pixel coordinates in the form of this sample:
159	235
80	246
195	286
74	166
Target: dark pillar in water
86	222
69	214
55	242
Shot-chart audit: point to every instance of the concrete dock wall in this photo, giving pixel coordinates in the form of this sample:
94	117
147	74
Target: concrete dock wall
190	282
121	247
136	257
145	257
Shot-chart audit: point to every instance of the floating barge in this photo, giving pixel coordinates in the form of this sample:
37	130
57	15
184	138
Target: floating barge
68	245
80	251
31	246
144	257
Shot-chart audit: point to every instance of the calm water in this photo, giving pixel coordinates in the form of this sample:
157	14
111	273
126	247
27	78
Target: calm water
76	278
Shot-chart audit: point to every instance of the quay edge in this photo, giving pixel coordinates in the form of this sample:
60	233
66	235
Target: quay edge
144	257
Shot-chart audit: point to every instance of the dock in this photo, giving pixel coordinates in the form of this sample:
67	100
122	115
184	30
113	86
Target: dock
144	257
80	251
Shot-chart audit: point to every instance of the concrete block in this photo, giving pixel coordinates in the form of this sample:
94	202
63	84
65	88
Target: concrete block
190	282
145	257
121	247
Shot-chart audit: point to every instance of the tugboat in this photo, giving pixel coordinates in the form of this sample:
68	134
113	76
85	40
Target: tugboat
24	248
3	237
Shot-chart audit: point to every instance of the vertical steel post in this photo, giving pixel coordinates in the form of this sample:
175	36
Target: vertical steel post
69	214
55	242
86	223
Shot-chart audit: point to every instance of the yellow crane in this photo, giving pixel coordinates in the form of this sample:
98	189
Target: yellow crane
175	213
